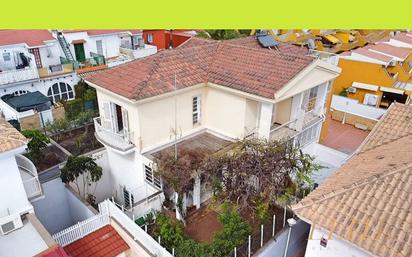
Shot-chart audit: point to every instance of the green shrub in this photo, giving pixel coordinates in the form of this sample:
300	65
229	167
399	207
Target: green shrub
38	142
235	231
170	232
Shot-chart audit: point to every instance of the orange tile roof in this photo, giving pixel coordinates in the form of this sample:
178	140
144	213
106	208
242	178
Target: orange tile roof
10	138
30	37
257	71
105	242
404	38
368	201
399	52
54	251
373	55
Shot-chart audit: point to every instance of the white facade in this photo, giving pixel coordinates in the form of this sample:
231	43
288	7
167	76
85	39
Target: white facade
335	247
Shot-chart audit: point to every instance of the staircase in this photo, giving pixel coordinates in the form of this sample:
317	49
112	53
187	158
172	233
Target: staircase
65	47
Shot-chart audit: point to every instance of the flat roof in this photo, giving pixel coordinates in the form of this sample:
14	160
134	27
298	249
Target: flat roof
204	142
23	242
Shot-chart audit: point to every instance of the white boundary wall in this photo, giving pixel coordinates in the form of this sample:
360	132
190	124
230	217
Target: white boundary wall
352	106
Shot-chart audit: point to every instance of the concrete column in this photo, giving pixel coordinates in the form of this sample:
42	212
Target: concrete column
197	192
265	120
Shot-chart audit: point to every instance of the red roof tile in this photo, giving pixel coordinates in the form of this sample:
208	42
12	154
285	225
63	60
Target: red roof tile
105	242
404	38
399	52
30	37
253	70
373	55
97	32
55	251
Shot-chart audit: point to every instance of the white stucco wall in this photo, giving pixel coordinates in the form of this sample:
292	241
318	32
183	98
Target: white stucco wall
13	198
335	247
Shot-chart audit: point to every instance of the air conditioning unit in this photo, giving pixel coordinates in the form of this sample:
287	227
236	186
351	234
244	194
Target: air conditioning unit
10	223
351	90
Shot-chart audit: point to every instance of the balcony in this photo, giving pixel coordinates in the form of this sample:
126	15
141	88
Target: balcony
138	52
54	70
121	141
13	76
28	173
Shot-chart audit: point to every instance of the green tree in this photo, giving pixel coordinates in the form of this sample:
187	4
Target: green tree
38	141
223	34
87	170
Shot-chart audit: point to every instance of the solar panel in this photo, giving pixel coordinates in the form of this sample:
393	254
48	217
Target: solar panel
267	41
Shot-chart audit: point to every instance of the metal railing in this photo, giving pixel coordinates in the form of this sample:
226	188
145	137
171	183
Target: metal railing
32	185
119	140
81	229
56	69
308	134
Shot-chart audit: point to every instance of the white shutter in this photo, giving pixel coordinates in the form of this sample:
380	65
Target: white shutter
125	119
107	116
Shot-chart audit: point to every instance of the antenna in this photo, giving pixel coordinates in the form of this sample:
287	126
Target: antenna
175	143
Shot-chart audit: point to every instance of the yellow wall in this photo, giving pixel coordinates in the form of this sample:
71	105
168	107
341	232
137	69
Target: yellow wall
363	72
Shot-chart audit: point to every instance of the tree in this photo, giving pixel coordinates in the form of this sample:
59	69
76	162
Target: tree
179	170
85	168
38	141
223	34
258	172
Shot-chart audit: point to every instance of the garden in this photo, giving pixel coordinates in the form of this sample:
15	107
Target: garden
253	184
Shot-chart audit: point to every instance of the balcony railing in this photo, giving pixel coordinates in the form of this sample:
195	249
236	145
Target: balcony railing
140	52
30	178
12	76
308	134
122	141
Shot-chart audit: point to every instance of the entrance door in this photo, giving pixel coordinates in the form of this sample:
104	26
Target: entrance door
79	52
46	117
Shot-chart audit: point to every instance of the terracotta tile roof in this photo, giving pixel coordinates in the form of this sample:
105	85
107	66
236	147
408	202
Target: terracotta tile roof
196	41
10	138
395	123
257	71
105	242
54	251
404	38
368	201
30	37
97	32
399	52
373	55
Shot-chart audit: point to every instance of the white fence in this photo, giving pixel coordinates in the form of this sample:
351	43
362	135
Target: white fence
121	140
309	134
133	229
12	76
81	229
31	185
352	106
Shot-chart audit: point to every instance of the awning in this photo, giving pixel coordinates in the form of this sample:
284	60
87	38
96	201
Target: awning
29	101
392	90
78	41
332	39
365	86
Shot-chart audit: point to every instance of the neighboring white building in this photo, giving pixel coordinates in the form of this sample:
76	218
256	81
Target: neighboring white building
30	62
365	208
19	186
116	46
204	91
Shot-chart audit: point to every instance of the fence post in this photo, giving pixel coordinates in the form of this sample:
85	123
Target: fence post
158	239
284	217
235	252
274	225
173	251
261	235
250	245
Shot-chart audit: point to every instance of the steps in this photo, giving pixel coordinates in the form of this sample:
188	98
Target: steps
65	47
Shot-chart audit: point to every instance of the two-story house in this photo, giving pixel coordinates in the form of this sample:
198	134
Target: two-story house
206	93
32	74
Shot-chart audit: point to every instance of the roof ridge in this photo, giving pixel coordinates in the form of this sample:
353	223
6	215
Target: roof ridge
377	126
356	184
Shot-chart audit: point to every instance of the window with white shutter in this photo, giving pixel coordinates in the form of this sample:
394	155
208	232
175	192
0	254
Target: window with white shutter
196	106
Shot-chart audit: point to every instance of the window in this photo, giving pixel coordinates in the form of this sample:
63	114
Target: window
309	100
151	178
99	47
37	59
128	198
20	92
150	38
196	110
6	57
60	91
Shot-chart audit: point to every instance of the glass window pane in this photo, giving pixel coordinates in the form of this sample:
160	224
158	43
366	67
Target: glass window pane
56	98
71	95
55	88
64	96
49	92
62	87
